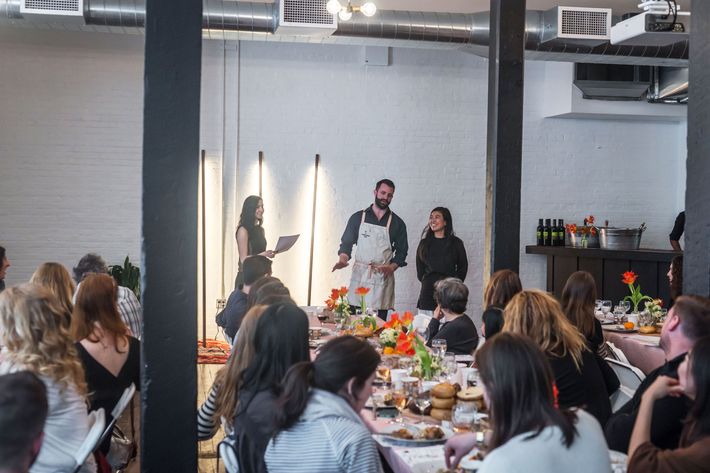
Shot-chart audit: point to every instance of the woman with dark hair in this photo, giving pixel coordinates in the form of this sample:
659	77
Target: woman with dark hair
111	357
280	341
458	329
578	298
675	277
577	372
529	432
319	407
440	255
268	290
693	453
250	233
501	288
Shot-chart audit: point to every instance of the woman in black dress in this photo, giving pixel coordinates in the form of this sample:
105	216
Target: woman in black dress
440	255
250	234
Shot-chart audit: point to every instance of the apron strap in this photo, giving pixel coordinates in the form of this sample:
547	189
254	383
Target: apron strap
389	220
362	219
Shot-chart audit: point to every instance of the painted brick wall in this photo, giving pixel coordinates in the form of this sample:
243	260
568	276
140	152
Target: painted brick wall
70	157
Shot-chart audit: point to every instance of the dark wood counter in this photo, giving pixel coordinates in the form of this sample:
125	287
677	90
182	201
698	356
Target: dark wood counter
606	266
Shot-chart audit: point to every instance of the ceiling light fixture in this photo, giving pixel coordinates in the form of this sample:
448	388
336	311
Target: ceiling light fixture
345	12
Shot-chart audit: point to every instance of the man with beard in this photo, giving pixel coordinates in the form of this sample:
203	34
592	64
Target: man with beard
381	239
687	321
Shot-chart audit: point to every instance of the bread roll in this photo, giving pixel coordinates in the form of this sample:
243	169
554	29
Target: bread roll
443	391
439	403
647	329
441	414
473	393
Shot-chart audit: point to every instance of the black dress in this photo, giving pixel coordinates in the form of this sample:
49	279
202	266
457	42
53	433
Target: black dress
256	243
105	389
445	258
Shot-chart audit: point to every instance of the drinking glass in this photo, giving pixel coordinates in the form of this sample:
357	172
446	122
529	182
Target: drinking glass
606	307
472	378
399	397
449	366
463	416
619	312
598	305
438	346
406	363
422	399
626	304
321	314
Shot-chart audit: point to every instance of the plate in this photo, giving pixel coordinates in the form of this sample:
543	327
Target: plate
619	329
416	431
469	462
464	358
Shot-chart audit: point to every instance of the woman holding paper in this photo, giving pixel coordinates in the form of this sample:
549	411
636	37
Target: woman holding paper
250	234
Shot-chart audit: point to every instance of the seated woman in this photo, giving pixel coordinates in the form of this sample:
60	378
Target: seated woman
110	356
221	402
57	279
35	336
318	427
577	373
578	298
459	331
280	341
693	453
502	286
675	277
529	433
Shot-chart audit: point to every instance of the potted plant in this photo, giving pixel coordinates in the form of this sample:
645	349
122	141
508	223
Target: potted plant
128	276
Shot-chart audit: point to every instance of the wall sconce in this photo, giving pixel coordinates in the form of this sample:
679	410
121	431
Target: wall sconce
345	12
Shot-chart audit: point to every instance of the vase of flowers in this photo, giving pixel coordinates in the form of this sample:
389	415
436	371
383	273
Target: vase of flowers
583	236
636	297
426	366
338	304
396	336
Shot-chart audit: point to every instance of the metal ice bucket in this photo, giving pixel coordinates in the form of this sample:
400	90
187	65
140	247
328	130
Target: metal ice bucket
613	238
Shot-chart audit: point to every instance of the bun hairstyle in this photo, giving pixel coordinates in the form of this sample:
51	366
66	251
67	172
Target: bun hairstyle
339	360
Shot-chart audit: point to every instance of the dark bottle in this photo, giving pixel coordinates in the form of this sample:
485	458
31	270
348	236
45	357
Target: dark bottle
553	232
562	233
547	233
540	229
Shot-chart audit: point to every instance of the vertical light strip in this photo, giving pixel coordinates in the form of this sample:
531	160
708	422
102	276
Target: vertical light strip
204	249
261	172
313	229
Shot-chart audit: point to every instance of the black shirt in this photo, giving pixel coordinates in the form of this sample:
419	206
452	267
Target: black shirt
678	227
445	257
256	244
231	317
668	414
460	334
583	388
398	234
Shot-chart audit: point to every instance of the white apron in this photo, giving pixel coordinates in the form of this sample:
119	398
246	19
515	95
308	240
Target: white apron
373	247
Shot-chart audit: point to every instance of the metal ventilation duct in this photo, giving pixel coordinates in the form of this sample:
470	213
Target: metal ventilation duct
224	19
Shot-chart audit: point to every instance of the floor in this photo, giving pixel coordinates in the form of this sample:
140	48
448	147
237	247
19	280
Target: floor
207	450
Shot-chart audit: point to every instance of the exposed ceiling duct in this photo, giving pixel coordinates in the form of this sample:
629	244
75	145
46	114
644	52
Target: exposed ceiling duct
224	19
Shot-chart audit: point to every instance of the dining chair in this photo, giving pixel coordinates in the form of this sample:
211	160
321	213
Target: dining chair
97	422
118	409
629	376
616	353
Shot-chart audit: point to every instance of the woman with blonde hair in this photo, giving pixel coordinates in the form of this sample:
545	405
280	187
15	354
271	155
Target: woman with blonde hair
221	402
501	288
35	336
578	376
57	279
111	357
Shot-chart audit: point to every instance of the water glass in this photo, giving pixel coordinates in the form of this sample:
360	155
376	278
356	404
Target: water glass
598	305
449	365
626	304
606	307
472	378
619	313
463	416
406	363
438	346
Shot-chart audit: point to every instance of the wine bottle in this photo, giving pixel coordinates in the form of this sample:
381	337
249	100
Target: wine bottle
540	239
553	233
562	233
546	233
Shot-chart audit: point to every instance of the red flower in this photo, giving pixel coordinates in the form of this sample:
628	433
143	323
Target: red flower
404	344
571	228
590	220
629	277
343	291
393	322
362	291
407	318
593	230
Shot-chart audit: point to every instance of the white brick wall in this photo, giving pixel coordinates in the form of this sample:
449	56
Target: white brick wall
420	121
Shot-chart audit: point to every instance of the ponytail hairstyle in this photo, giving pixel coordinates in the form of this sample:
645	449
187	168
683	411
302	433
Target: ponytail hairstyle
339	360
428	235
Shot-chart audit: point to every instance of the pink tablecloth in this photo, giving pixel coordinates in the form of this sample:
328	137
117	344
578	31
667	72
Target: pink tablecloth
645	355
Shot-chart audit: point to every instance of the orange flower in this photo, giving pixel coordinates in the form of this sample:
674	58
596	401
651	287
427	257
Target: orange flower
388	351
404	344
393	322
334	294
343	291
590	220
407	318
593	230
629	277
571	228
362	291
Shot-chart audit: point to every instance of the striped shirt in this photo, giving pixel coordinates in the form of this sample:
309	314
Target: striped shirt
130	310
206	425
329	437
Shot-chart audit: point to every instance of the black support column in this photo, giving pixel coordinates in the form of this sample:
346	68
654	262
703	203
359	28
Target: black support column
173	42
505	134
696	263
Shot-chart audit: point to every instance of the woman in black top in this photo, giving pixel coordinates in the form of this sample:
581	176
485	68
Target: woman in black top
578	298
458	329
250	234
440	255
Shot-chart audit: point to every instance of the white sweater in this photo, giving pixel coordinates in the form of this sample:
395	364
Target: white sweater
546	452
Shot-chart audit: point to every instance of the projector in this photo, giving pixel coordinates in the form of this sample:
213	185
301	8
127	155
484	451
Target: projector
651	29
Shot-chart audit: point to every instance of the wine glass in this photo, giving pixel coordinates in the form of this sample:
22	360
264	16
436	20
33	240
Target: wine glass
619	312
399	397
626	304
598	305
422	399
438	346
322	315
606	307
449	366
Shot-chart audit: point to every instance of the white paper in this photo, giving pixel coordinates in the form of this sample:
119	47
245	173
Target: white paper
285	243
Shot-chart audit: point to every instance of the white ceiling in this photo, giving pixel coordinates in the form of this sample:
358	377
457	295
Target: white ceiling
468	6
